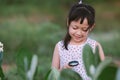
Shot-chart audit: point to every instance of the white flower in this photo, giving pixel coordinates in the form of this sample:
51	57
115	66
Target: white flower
1	47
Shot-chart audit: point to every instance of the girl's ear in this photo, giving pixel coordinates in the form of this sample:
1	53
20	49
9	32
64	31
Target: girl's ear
92	27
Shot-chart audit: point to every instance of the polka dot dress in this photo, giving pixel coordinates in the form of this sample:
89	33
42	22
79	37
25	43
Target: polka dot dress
74	52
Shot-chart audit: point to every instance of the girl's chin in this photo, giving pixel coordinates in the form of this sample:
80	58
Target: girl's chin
78	40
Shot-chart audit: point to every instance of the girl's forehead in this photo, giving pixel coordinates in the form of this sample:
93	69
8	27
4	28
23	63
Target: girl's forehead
85	22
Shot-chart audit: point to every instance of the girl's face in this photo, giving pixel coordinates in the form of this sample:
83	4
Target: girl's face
78	32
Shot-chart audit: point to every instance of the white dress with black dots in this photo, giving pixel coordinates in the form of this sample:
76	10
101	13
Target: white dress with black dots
74	52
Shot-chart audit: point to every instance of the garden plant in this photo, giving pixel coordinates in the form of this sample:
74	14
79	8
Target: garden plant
96	69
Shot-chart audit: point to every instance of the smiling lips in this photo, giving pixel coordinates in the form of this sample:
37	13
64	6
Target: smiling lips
78	37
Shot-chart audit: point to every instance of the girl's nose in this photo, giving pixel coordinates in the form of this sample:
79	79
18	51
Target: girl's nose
79	32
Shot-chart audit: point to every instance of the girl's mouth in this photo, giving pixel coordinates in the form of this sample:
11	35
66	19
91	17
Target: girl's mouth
78	37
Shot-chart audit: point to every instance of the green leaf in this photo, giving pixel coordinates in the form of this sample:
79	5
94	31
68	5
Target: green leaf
109	73
20	62
68	74
53	74
97	58
2	76
1	57
88	58
118	74
102	66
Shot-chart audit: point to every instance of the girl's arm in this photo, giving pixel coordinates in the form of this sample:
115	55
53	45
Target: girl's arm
101	52
56	59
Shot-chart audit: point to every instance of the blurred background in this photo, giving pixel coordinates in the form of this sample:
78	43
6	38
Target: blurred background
30	27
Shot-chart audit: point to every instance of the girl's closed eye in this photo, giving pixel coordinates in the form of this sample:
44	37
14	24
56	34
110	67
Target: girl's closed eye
85	29
74	27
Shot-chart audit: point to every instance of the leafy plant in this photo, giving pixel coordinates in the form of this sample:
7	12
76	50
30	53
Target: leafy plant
30	73
66	74
27	65
94	67
53	74
2	76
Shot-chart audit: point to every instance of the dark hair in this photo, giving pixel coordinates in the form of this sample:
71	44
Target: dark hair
79	11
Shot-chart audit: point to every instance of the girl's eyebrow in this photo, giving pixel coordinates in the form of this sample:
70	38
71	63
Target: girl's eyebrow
76	25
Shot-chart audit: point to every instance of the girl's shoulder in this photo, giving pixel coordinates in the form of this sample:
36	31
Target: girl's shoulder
91	41
60	43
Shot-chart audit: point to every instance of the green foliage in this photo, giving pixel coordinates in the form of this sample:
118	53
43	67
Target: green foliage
1	57
97	57
20	63
2	76
26	65
46	1
111	70
53	74
94	67
66	74
30	72
102	66
22	38
21	35
90	59
36	38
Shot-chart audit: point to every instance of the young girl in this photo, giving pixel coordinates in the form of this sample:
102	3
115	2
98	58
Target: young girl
81	20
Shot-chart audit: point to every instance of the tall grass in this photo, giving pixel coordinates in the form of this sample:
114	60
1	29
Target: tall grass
34	38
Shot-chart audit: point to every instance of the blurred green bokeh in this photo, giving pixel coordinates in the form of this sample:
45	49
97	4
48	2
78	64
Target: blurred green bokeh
35	26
